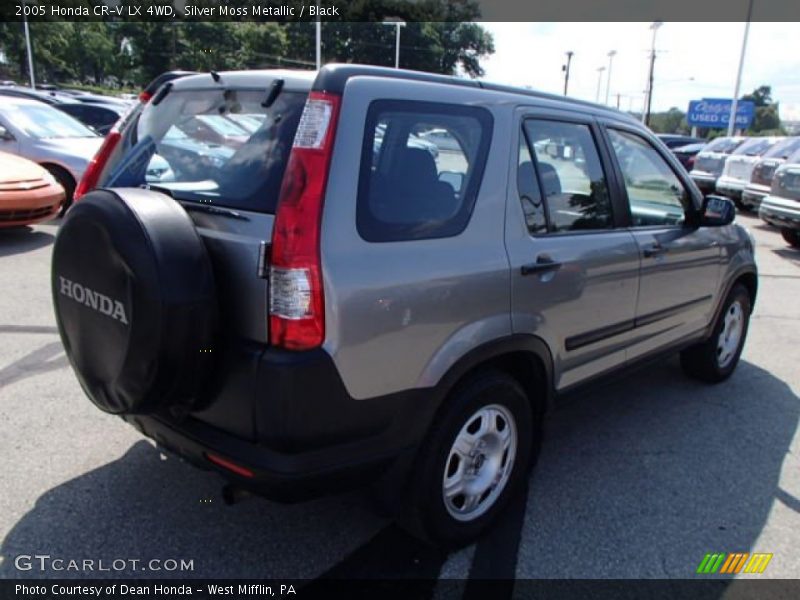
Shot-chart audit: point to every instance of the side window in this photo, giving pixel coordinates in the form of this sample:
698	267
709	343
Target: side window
421	167
571	175
530	196
655	194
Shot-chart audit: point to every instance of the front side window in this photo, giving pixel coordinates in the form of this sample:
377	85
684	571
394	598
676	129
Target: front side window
655	194
421	168
571	175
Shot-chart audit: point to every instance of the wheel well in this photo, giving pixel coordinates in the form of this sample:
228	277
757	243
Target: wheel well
750	282
528	370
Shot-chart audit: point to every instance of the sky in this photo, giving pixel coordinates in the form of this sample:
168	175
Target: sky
693	61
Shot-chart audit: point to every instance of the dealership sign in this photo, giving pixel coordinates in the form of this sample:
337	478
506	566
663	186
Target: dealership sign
715	112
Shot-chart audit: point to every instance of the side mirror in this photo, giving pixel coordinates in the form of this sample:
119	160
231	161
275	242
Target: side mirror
717	211
6	135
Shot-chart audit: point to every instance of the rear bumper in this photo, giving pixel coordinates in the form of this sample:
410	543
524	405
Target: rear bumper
753	195
310	437
705	181
780	213
730	187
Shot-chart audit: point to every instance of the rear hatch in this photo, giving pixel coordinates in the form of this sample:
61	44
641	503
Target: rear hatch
219	144
786	183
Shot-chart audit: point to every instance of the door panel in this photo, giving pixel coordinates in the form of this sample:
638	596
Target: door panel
576	288
680	263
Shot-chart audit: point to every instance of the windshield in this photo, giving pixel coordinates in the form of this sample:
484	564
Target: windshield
754	147
784	148
44	122
213	146
723	145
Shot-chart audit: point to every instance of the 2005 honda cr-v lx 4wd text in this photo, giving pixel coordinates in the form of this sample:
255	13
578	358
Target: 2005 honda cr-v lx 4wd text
324	301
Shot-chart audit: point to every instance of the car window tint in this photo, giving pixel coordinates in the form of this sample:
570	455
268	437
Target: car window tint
571	175
530	194
655	194
421	167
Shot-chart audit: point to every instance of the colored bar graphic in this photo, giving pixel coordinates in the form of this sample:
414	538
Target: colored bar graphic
733	563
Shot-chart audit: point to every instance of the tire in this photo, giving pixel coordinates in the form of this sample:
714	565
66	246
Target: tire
503	463
791	237
714	360
63	177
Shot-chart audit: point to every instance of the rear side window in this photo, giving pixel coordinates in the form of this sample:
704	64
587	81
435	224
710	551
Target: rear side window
213	146
421	167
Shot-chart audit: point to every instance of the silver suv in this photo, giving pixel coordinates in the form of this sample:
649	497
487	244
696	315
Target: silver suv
314	299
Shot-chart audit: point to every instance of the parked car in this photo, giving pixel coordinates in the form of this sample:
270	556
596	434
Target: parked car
739	167
49	137
28	193
673	140
709	162
781	207
100	117
47	97
687	154
303	318
764	169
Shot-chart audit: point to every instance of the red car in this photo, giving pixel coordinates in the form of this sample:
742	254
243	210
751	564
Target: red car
28	193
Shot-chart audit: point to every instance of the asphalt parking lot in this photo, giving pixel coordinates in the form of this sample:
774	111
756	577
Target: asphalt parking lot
639	478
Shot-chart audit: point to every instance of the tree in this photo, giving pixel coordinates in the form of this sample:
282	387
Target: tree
672	121
766	117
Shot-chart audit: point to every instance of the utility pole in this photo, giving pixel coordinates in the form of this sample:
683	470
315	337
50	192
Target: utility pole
608	80
397	23
735	103
599	83
649	98
30	52
565	68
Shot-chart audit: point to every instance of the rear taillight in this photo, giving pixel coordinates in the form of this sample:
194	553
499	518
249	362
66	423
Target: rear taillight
90	177
297	305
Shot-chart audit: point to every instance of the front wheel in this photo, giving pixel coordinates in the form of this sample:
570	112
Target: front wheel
475	458
715	359
791	237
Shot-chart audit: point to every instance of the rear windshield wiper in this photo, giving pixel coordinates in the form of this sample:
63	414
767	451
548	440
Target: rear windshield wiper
194	206
213	210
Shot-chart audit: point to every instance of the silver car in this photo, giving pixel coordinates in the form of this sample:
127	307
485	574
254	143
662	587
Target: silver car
764	171
739	166
781	207
58	142
313	310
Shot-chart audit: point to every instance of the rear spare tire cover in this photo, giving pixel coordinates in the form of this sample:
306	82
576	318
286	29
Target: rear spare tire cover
133	292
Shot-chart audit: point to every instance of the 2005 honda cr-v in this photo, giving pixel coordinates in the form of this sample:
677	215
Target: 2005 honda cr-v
384	275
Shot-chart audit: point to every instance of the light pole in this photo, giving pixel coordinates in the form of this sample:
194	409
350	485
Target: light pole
649	98
30	52
565	68
319	42
599	83
608	79
398	23
735	103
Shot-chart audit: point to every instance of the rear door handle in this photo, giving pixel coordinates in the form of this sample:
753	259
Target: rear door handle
655	250
543	264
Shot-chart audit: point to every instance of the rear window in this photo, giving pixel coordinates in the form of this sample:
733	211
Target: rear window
722	145
754	147
213	146
784	148
421	167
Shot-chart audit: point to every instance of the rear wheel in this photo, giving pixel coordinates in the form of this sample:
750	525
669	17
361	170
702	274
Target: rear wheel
66	181
715	359
791	236
475	458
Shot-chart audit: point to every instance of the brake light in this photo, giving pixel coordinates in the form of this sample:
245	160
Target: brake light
144	97
297	306
92	174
